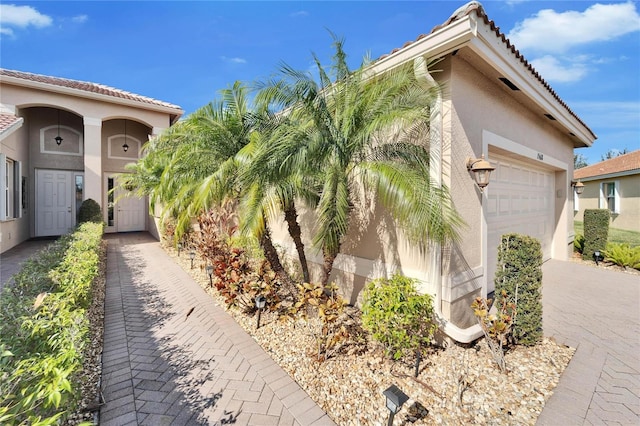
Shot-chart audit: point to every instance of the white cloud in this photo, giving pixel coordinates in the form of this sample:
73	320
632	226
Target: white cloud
554	70
80	19
12	16
234	60
610	115
299	14
555	32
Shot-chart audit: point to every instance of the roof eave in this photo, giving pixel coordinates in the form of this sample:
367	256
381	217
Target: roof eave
609	175
435	45
11	128
90	95
473	32
492	49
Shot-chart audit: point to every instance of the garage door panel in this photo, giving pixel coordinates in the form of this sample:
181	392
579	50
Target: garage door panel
519	200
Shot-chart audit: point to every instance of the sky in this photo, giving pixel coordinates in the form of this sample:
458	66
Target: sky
184	52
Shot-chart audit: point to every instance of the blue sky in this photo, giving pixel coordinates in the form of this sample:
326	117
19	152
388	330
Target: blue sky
184	52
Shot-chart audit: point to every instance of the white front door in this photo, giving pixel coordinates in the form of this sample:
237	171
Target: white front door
125	211
55	202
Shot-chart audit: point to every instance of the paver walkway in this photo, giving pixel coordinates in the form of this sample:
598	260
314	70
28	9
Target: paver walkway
162	366
597	312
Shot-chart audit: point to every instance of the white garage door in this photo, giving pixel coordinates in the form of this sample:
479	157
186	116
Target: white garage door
519	199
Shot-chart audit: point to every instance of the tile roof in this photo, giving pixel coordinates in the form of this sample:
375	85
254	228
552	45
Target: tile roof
622	163
84	86
7	121
476	7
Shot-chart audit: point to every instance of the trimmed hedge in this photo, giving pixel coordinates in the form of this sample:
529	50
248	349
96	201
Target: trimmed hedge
596	232
519	273
43	328
90	212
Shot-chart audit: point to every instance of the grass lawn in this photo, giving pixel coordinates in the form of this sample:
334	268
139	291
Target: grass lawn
615	235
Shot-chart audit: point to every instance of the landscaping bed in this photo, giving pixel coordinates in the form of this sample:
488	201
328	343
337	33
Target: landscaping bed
51	321
456	385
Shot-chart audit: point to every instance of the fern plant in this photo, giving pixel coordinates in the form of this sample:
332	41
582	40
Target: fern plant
623	255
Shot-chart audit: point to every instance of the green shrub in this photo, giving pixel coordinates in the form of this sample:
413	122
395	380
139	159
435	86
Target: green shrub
43	328
578	243
397	315
596	231
89	212
519	274
623	255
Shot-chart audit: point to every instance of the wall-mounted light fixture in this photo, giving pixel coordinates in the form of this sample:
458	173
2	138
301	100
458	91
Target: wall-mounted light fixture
58	138
578	187
125	147
481	169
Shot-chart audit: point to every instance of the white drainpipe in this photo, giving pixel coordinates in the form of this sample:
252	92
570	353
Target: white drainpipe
462	335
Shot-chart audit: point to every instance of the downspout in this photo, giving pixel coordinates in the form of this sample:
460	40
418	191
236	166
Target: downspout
462	335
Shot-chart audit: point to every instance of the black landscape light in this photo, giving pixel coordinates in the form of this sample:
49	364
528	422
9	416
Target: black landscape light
261	302
209	270
395	399
192	256
598	256
179	248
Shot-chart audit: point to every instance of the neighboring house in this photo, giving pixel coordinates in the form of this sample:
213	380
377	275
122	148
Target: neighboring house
614	185
493	104
99	129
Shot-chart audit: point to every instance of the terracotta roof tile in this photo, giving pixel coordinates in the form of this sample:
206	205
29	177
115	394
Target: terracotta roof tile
84	86
622	163
476	7
6	121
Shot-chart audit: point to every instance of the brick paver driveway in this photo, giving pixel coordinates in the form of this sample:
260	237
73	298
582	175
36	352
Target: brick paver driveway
596	311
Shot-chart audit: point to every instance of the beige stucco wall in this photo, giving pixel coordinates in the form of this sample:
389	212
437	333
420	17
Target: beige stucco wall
14	231
87	126
629	189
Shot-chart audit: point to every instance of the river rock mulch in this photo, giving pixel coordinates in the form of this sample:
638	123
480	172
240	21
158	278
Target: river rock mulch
459	384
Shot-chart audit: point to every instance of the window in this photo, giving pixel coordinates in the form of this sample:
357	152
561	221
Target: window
610	196
11	187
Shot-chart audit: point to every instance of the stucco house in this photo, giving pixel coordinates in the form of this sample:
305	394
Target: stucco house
613	184
63	141
493	104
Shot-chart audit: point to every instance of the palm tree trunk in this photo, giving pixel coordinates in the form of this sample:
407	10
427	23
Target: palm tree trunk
272	257
327	266
291	216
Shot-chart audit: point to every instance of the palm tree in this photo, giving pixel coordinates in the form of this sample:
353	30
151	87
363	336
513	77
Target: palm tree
354	129
196	166
270	192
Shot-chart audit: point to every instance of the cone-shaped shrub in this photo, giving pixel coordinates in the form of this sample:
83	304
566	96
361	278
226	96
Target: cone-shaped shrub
519	273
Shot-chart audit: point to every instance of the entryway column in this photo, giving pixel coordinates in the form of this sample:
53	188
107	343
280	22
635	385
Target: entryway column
93	159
